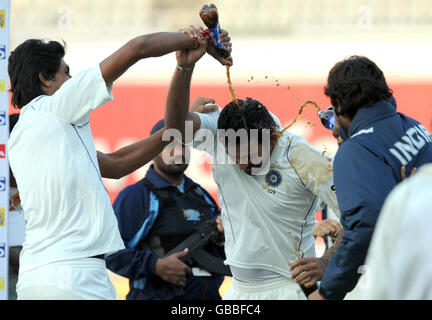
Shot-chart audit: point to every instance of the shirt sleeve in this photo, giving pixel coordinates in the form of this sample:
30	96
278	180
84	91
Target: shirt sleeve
386	234
362	182
315	169
79	95
131	210
205	138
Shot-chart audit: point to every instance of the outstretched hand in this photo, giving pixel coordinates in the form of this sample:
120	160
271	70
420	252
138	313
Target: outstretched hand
213	51
327	227
307	271
188	57
203	105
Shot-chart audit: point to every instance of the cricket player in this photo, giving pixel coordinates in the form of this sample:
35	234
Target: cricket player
269	186
268	217
71	225
377	142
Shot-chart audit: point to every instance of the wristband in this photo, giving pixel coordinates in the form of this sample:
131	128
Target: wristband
184	68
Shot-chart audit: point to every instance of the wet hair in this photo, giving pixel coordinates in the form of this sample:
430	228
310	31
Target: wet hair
355	83
252	114
30	58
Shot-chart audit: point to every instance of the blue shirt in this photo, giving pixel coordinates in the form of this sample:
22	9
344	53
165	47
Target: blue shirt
136	209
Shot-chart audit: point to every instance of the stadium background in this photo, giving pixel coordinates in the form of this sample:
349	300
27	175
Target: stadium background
282	51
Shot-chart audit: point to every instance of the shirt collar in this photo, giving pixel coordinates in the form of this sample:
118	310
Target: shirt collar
161	183
281	145
365	117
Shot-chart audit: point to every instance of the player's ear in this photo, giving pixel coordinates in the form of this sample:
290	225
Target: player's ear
45	83
273	139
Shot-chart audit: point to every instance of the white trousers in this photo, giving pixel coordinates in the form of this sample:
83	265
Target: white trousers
78	279
273	289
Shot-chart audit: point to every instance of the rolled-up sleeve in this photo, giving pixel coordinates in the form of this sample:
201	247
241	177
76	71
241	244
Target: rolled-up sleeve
205	138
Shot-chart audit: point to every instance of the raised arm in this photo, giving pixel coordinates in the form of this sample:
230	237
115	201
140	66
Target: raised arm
145	46
177	104
128	159
179	91
134	156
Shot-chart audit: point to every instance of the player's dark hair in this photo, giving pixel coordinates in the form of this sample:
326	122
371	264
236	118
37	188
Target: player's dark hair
30	58
252	114
13	119
355	83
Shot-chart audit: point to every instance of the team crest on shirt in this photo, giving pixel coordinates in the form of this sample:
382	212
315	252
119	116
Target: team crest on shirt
273	178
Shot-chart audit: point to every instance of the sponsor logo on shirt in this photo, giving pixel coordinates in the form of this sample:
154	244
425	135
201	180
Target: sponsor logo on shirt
2	85
2	151
191	215
2	19
2	52
2	217
2	183
2	250
2	118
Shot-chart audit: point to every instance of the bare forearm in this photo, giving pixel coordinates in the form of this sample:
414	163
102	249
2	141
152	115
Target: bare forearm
196	121
130	158
330	251
161	43
177	106
145	46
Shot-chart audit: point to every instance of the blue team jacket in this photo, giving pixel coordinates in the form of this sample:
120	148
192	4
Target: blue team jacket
136	209
366	168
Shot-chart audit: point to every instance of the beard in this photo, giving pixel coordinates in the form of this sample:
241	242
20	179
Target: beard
175	170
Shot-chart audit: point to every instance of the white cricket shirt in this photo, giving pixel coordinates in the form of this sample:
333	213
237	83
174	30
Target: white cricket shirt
268	219
54	161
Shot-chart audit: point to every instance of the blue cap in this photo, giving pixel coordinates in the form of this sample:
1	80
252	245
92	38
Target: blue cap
159	125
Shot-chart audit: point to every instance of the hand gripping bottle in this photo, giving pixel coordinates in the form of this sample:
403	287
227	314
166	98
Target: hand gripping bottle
210	17
327	118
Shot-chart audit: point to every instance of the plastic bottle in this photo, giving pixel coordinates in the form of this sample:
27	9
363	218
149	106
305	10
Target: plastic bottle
327	118
210	17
